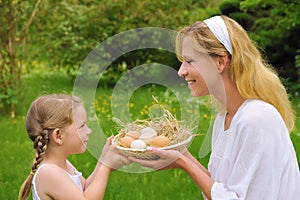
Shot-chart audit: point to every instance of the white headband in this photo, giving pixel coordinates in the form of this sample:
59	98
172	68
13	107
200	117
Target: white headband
217	26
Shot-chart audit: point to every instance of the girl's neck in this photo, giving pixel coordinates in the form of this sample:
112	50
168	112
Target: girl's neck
56	158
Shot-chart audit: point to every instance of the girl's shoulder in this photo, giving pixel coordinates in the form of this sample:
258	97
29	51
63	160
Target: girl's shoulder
47	172
51	179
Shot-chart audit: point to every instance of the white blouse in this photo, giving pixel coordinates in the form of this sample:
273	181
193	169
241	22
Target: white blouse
254	158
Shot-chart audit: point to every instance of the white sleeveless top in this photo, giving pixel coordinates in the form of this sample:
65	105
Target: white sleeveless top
75	178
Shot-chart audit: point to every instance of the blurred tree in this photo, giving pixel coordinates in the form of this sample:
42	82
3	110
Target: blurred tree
70	29
65	31
16	19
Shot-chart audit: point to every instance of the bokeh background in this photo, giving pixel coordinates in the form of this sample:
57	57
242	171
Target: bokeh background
44	42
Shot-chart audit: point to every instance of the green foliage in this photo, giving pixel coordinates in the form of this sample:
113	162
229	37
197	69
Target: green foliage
62	33
69	30
275	26
17	154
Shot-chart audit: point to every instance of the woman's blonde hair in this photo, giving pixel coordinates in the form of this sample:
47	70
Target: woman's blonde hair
45	114
254	77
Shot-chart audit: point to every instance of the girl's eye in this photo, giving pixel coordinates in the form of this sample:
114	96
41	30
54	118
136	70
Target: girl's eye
82	125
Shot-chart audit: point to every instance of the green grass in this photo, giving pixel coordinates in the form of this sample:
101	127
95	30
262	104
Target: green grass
16	152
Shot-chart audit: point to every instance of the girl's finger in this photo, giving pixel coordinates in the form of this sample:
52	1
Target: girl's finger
110	139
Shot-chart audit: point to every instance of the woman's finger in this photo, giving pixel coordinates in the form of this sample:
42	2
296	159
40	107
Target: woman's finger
146	163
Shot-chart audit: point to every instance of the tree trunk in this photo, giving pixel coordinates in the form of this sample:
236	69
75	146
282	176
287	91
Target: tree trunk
10	61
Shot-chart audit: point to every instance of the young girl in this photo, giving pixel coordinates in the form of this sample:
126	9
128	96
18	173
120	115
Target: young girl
252	154
57	125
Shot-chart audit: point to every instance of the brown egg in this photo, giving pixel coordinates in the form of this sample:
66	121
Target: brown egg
133	134
160	141
126	141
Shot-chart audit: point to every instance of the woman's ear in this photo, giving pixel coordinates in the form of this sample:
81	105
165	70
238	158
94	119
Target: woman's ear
56	136
222	63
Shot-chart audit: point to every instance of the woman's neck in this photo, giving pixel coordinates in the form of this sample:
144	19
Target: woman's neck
230	97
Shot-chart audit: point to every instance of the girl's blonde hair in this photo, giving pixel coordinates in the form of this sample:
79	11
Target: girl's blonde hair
45	114
254	77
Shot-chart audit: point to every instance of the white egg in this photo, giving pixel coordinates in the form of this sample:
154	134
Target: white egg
147	134
138	144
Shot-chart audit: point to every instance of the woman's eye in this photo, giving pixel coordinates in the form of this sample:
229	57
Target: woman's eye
188	61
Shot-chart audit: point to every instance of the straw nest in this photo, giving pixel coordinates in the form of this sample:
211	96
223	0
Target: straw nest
178	134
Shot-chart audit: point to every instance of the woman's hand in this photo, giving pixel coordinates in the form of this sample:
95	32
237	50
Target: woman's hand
111	158
168	159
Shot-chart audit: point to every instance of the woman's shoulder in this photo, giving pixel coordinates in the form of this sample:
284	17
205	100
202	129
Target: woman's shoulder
258	104
258	114
254	109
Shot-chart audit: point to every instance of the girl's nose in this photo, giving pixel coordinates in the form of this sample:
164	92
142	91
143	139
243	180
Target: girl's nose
89	131
182	71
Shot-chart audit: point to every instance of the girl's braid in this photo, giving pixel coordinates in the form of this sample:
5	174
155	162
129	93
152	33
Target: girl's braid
40	144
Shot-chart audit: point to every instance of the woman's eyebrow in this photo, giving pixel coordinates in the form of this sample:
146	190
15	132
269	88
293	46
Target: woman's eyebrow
187	57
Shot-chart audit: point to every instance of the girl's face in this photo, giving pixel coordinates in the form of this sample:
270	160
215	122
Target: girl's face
199	70
77	134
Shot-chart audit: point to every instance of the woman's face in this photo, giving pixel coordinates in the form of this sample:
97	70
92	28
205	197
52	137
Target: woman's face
77	134
199	70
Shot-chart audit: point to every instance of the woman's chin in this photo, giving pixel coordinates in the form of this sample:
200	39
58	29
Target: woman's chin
197	94
193	93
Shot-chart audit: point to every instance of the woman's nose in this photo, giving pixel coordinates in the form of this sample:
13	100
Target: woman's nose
182	71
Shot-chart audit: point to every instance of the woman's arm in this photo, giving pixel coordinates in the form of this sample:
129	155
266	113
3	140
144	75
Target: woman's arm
197	173
173	159
192	158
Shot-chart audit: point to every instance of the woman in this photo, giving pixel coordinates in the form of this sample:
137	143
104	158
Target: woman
57	125
252	155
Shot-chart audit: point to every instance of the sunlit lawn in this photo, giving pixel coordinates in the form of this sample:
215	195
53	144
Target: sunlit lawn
16	154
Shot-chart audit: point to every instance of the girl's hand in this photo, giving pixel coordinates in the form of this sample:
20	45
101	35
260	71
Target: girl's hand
106	147
111	158
168	159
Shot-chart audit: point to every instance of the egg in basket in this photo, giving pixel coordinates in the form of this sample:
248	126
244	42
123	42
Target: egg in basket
163	132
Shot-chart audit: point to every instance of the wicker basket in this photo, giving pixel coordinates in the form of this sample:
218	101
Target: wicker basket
146	155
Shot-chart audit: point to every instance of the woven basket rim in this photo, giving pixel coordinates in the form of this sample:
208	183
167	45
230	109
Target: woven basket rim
186	141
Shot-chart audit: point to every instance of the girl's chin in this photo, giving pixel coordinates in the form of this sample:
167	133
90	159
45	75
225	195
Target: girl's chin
83	149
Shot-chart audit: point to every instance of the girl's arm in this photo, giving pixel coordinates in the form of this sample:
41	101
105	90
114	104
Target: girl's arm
109	159
96	186
56	184
88	181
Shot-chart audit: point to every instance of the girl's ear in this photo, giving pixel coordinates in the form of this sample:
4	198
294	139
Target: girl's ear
56	136
222	63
